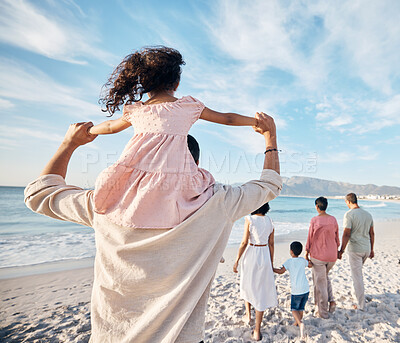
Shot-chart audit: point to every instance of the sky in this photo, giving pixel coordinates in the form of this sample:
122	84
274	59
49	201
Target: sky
327	71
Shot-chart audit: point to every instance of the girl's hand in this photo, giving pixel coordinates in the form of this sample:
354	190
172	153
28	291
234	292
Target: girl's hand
235	266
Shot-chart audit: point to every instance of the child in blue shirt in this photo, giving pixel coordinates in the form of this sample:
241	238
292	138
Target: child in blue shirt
298	282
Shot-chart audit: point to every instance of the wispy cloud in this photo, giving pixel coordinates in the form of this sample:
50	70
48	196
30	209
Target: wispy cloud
369	37
16	136
23	82
61	32
312	41
6	104
358	116
358	153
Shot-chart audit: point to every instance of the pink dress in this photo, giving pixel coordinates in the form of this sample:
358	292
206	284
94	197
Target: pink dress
155	183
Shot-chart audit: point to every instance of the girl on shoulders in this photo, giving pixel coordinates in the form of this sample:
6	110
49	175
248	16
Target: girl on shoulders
155	166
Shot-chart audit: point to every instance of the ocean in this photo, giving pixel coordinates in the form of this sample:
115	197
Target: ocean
31	243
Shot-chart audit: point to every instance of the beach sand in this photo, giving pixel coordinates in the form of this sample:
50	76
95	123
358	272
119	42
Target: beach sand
55	307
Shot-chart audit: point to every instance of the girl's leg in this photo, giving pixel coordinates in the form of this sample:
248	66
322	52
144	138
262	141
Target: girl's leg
257	329
247	316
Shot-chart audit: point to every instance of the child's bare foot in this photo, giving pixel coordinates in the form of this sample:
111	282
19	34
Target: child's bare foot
355	307
332	307
295	324
257	336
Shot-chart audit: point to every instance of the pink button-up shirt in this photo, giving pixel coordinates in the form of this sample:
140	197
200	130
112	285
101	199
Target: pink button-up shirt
323	238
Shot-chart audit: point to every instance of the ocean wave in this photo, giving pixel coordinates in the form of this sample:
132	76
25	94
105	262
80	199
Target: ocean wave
382	204
24	250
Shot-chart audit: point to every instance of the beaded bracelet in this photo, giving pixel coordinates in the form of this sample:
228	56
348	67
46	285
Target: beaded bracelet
272	150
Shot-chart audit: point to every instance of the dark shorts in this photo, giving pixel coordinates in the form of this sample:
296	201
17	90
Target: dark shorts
299	301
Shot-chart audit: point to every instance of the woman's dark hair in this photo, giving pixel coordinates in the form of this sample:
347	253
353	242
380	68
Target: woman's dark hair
296	247
194	147
154	68
321	203
262	210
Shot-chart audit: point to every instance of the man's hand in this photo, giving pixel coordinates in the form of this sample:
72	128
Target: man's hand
78	134
265	124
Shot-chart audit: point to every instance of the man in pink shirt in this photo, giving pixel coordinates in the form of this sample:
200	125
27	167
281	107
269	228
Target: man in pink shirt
322	244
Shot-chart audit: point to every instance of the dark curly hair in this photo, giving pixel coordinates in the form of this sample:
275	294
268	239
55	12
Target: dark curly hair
153	68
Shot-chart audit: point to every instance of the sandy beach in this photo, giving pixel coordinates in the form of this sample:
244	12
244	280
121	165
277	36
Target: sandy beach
55	307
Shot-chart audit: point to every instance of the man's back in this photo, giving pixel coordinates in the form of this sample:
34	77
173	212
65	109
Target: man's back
360	222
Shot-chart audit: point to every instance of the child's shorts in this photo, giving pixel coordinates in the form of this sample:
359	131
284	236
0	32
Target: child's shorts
298	301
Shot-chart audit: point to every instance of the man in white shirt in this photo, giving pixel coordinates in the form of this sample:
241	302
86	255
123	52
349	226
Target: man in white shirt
152	285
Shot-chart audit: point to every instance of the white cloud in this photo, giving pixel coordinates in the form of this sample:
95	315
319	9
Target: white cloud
369	35
357	153
13	136
57	33
265	34
313	41
6	104
23	82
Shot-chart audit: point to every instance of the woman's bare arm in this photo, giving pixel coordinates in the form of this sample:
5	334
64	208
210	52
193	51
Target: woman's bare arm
243	244
271	241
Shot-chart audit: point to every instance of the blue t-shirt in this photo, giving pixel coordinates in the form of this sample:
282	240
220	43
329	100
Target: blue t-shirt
296	267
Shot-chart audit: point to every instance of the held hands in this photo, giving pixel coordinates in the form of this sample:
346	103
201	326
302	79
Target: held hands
78	134
340	254
265	124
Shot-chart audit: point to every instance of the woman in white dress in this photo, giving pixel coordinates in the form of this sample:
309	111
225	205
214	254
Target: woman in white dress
257	283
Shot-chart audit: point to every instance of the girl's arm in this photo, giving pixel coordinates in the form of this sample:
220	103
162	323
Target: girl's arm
271	246
227	118
109	126
243	244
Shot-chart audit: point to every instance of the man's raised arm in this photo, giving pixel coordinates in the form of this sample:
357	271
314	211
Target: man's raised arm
50	195
76	136
244	199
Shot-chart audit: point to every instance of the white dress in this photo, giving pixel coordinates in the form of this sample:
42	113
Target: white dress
257	283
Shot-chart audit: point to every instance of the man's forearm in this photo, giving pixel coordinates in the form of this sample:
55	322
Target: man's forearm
372	237
345	240
58	164
271	160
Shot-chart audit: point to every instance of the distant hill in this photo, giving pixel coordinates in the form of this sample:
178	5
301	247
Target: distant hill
308	186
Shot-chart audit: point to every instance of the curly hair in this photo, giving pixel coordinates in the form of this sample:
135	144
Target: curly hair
153	68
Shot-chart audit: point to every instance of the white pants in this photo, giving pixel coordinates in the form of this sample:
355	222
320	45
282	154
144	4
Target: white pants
356	261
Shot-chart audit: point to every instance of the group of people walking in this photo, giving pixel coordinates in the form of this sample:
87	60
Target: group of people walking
256	254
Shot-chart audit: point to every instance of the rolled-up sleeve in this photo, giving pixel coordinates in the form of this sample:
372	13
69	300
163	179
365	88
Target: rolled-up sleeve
244	199
51	196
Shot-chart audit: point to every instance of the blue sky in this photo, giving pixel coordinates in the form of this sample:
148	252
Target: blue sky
327	71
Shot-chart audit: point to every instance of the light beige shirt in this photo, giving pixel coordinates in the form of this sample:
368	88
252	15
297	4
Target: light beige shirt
152	285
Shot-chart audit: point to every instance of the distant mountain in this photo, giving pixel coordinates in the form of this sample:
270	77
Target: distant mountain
308	186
